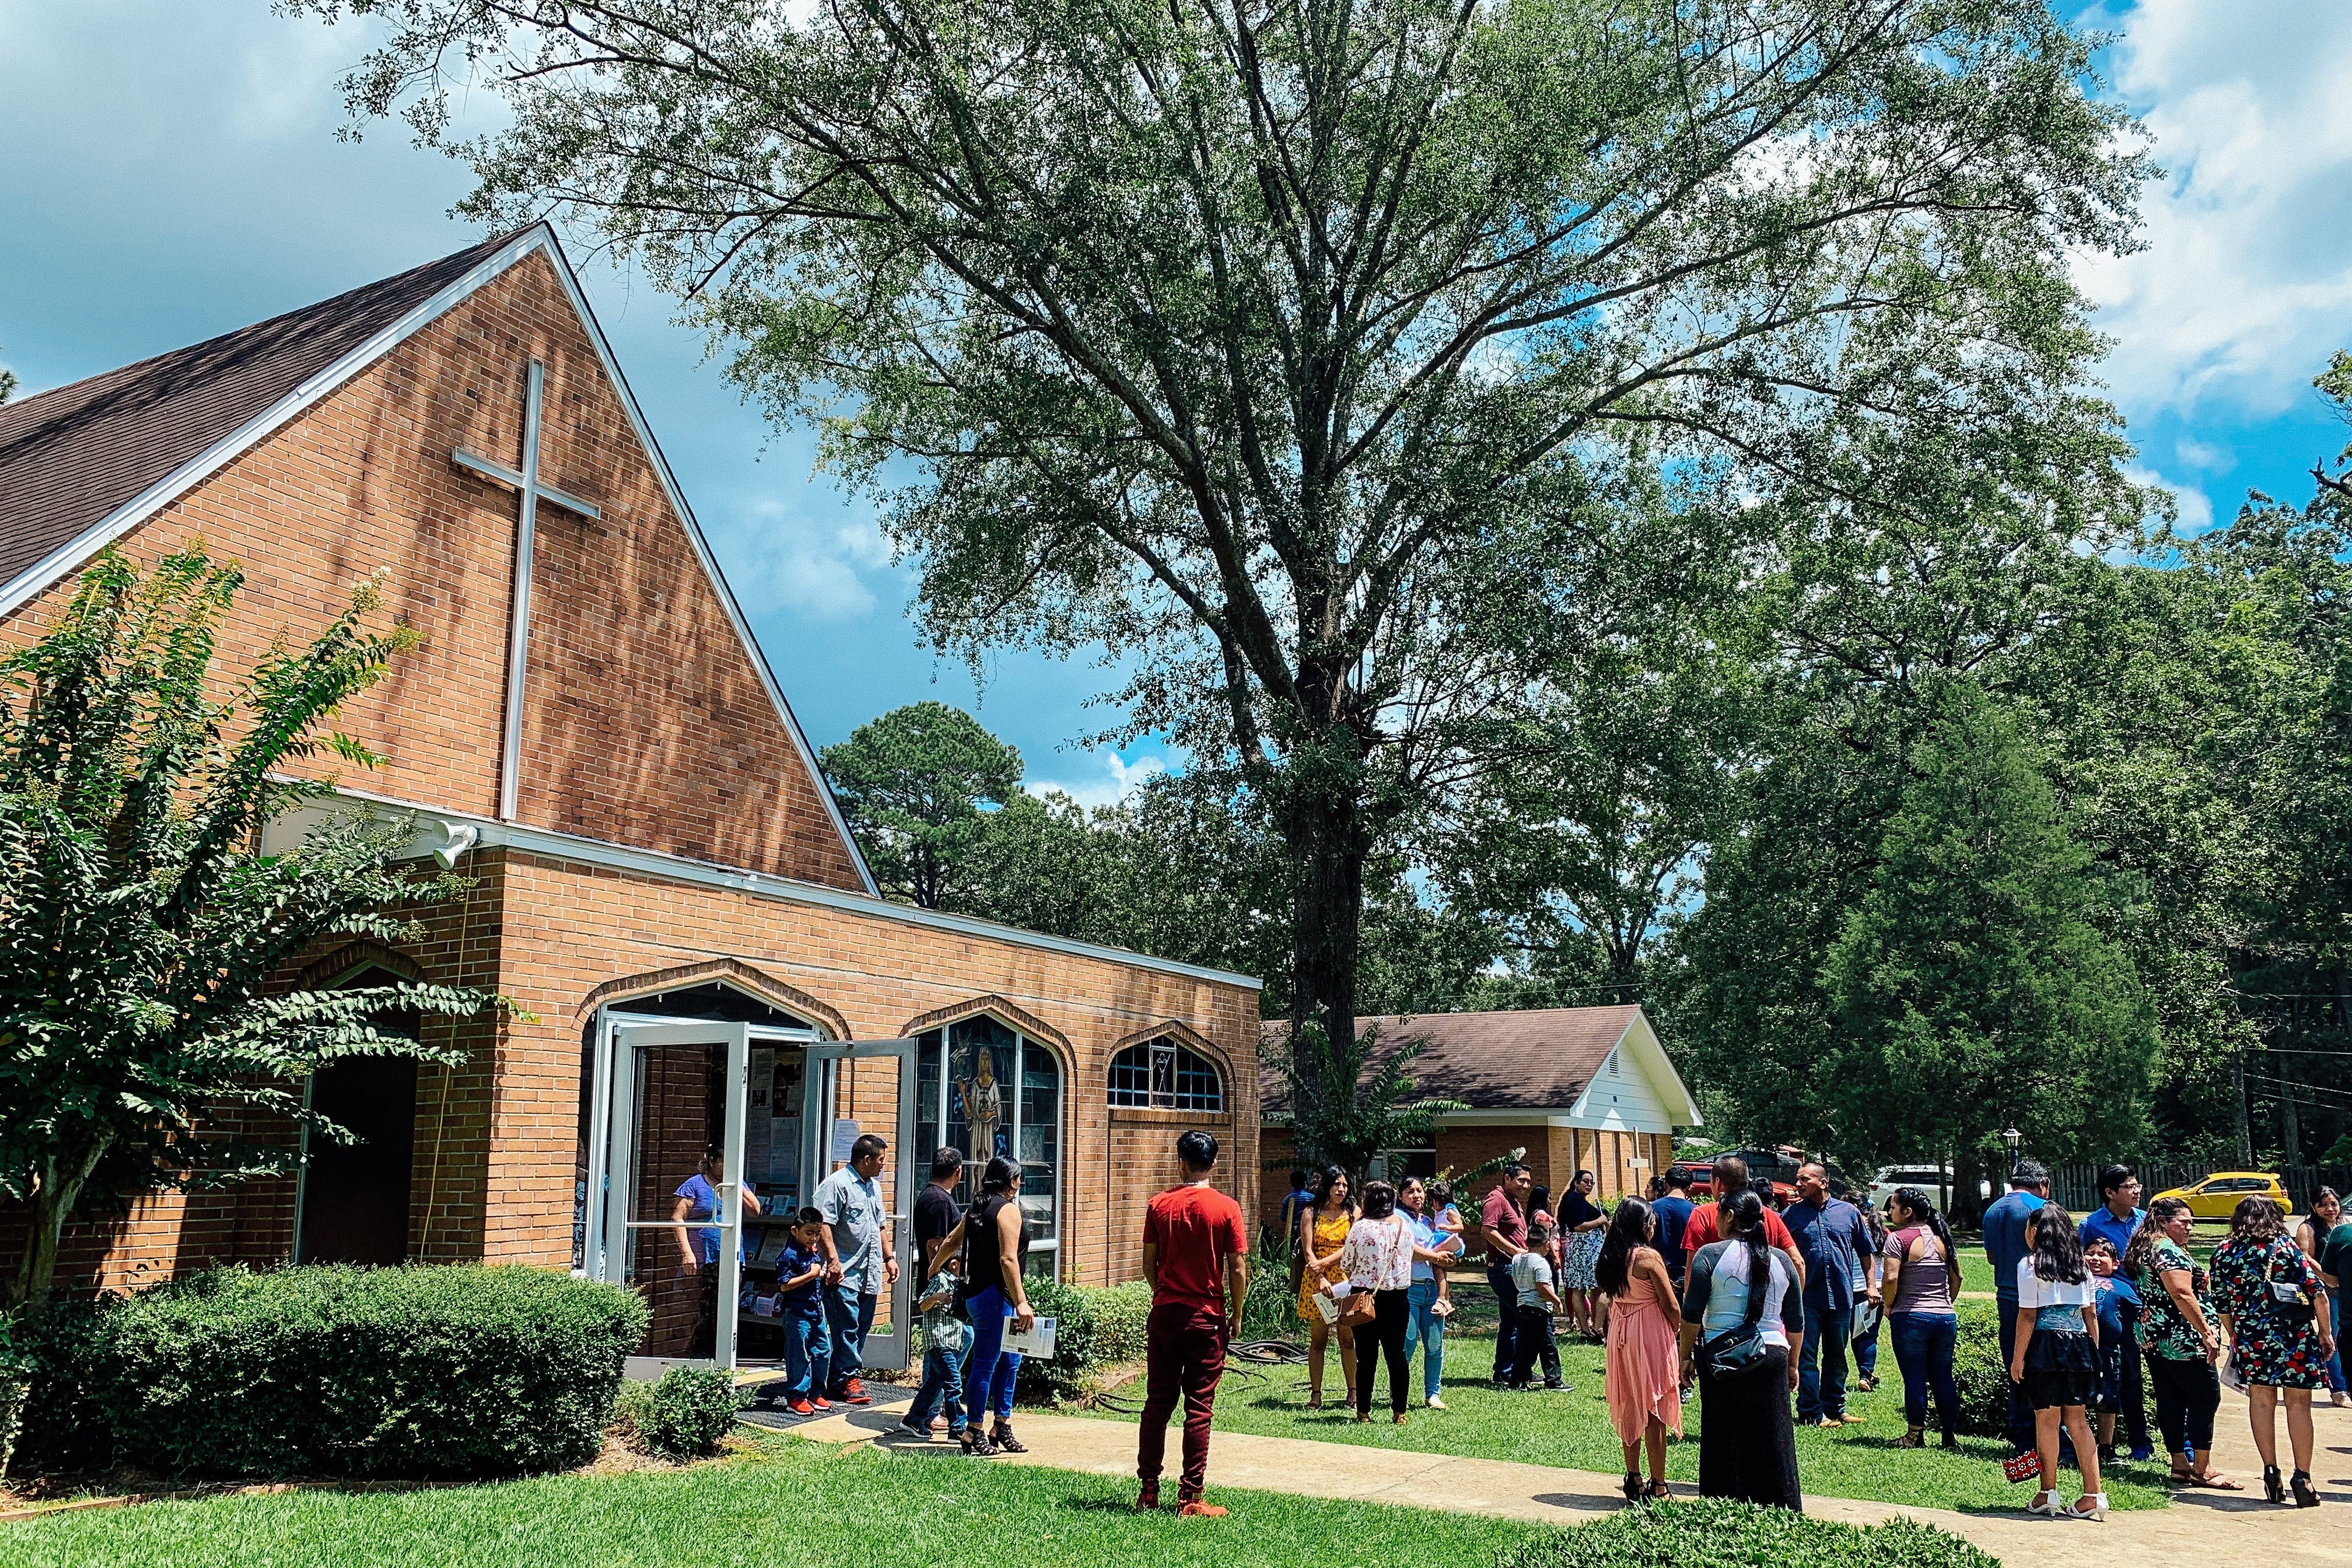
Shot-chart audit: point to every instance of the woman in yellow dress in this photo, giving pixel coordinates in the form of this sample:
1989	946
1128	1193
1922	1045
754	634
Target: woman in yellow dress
1321	1232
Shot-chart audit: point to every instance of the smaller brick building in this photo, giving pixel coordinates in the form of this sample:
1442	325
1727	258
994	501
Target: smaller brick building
1576	1088
661	879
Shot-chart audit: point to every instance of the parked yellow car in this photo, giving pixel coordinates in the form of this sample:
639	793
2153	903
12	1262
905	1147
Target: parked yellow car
2219	1195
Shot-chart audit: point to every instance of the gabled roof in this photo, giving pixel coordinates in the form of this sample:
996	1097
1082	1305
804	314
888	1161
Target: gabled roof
1538	1060
83	463
71	458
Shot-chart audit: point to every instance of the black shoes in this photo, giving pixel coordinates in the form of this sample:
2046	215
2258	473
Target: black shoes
2304	1496
2272	1488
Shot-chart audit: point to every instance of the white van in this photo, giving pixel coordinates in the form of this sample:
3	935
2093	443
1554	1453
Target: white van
1936	1181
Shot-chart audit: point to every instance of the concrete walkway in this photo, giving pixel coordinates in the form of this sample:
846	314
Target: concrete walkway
2202	1530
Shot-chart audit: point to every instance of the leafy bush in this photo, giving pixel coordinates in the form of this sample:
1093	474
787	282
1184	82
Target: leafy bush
1715	1532
684	1415
1978	1370
460	1371
60	1426
1095	1327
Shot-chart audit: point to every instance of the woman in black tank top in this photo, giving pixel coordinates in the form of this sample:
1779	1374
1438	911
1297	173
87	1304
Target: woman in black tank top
992	1294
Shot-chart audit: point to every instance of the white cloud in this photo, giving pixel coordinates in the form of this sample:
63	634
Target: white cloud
2248	268
2196	506
1116	779
781	562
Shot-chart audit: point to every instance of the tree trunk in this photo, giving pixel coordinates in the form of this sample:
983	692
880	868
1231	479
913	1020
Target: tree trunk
1325	833
53	1201
2245	1120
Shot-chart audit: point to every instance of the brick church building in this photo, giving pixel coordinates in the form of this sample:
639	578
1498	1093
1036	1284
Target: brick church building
662	881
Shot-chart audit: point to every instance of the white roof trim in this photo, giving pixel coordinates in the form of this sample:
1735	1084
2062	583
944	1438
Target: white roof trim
762	885
1639	1048
185	478
38	576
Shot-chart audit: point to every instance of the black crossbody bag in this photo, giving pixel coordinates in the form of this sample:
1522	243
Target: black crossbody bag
1739	1350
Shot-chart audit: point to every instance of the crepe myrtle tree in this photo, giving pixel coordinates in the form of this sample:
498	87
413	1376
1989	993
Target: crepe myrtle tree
1267	345
139	924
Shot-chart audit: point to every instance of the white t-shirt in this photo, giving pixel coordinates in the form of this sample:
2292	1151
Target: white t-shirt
2058	1304
1529	1271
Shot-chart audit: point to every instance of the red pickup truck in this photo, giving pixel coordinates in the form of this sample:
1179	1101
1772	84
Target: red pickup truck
1769	1170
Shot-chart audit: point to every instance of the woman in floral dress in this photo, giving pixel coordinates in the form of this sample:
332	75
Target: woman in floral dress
2273	1310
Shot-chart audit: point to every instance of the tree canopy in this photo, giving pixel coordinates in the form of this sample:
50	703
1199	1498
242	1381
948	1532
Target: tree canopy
912	785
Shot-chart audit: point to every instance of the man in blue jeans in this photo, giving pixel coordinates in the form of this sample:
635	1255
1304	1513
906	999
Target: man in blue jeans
859	1261
2005	1245
1832	1237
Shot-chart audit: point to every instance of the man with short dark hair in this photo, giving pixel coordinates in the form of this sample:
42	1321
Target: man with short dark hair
2115	1220
859	1260
1195	1252
1674	1209
1832	1236
1503	1223
1296	1201
2004	1247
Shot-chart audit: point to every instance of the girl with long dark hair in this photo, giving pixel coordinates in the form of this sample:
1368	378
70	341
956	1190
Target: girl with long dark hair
1921	1289
1748	1443
1378	1257
1322	1232
2057	1359
1579	1222
1643	1375
995	1258
2310	1234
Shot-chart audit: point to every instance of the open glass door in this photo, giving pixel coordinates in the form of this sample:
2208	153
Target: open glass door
869	1086
673	1213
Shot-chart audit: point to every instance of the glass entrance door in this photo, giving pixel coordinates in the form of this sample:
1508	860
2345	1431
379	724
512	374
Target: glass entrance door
673	1222
858	1087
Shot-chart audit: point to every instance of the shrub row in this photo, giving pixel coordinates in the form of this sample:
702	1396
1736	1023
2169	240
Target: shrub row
1097	1327
1715	1532
684	1414
429	1372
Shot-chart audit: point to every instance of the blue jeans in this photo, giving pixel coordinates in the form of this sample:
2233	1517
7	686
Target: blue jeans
943	1388
2336	1318
808	1353
2017	1422
1923	1349
990	1371
1820	1367
1427	1331
848	1314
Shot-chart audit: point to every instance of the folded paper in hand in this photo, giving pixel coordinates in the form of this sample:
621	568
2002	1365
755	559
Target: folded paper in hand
1038	1341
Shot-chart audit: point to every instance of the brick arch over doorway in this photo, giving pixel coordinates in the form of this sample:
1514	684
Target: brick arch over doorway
723	971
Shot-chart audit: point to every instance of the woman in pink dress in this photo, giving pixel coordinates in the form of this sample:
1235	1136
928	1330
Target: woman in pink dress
1645	1325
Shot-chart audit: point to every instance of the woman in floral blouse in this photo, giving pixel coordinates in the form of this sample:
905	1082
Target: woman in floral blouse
2275	1314
2181	1341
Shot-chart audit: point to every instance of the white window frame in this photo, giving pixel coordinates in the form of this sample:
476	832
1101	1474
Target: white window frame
1021	1041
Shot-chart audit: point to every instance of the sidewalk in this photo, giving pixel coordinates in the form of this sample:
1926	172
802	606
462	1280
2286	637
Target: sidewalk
2197	1531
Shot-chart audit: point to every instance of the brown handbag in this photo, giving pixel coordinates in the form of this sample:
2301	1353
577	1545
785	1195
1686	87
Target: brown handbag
1357	1308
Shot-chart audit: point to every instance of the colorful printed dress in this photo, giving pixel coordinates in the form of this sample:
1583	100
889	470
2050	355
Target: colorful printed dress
2164	1331
2270	1342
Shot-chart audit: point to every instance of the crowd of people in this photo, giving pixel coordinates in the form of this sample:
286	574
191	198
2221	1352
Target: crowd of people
1773	1317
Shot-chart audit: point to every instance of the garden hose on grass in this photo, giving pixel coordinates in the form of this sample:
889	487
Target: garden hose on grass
1255	1353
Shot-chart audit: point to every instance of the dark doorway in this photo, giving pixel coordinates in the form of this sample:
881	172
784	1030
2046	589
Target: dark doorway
355	1195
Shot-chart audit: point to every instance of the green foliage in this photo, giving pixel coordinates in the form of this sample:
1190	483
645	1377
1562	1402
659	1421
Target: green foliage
911	784
460	1371
1095	1327
685	1413
1979	1374
1716	1532
139	929
1972	989
1350	1102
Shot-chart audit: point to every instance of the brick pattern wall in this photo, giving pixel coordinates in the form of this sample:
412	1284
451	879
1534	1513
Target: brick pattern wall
646	722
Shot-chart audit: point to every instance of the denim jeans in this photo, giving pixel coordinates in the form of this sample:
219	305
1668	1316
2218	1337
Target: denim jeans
848	1314
1428	1332
1923	1349
1532	1340
2336	1319
1821	1369
808	1353
990	1371
943	1387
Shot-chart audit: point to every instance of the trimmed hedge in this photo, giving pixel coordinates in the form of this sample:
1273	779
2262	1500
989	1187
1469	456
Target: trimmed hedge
1715	1532
685	1414
1977	1372
423	1372
1095	1327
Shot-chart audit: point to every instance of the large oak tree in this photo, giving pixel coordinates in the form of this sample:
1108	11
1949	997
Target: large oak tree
1269	343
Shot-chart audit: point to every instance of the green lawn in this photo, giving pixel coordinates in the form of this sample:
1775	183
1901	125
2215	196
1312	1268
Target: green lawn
786	1502
1572	1430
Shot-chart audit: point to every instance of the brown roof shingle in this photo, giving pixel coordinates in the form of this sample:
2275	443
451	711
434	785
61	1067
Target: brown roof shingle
1533	1060
71	456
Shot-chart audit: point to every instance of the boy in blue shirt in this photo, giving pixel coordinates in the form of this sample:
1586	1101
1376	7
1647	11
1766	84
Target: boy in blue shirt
808	1347
2120	1307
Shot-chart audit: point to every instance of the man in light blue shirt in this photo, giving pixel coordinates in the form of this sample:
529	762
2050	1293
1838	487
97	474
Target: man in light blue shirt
858	1261
2004	1246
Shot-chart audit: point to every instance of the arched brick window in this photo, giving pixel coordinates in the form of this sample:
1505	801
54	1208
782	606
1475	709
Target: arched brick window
1162	1075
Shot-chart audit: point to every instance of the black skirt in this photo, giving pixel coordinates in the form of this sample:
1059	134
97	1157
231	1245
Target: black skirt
2060	1370
1747	1436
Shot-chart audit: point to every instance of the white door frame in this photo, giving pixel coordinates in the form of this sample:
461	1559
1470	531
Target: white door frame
889	1351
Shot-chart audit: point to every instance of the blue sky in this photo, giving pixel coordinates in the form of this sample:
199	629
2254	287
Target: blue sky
170	171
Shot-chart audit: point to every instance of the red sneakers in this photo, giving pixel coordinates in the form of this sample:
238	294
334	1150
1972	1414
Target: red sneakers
801	1407
819	1401
853	1392
1196	1508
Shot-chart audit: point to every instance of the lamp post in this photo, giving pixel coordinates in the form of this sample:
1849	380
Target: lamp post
2012	1137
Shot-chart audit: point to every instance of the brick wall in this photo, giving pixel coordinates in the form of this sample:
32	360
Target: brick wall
646	722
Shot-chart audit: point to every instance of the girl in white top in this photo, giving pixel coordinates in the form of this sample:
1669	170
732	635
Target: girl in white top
2056	1360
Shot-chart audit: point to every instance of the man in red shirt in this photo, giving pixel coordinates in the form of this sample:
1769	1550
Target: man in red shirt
1730	1181
1195	1252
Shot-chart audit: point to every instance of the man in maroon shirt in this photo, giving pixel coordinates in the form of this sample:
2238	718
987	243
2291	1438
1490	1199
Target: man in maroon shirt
1195	1252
